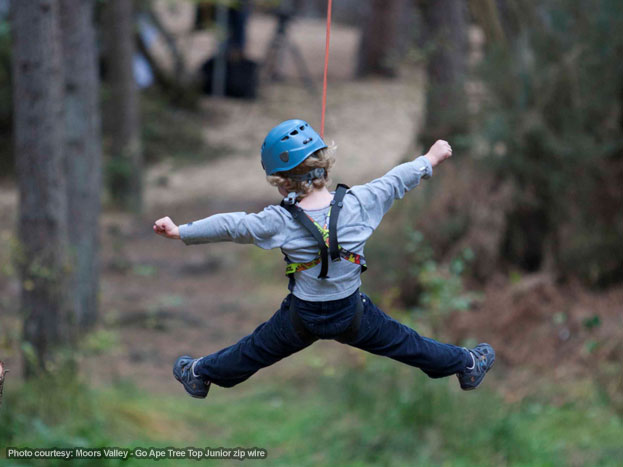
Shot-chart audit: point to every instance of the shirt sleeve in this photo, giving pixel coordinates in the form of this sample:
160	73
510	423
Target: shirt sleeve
265	229
377	196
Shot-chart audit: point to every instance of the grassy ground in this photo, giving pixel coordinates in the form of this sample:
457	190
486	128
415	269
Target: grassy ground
378	414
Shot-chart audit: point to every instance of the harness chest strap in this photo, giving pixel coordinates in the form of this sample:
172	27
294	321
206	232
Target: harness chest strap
326	238
299	215
354	258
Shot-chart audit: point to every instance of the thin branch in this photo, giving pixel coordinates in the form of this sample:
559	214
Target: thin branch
179	65
2	374
180	93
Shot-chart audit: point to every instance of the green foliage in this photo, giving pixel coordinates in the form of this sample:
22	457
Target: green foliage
118	173
552	120
441	286
99	341
380	414
449	426
433	288
55	411
145	270
592	322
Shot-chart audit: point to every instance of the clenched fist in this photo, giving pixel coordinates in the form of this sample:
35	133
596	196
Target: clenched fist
167	228
439	152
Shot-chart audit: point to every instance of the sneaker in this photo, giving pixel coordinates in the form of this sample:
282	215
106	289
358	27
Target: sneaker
183	372
483	357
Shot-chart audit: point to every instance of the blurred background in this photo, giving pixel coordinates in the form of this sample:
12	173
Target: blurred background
114	113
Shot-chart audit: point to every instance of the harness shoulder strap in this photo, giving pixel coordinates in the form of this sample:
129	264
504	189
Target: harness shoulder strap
336	207
298	215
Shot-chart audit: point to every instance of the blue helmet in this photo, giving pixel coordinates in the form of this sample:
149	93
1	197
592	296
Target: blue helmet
288	144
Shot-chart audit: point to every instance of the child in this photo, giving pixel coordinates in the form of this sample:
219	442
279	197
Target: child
310	225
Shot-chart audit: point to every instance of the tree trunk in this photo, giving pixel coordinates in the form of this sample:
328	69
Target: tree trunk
379	42
445	23
82	154
126	153
39	130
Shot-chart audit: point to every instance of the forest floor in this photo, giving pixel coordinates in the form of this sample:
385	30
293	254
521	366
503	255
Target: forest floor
161	299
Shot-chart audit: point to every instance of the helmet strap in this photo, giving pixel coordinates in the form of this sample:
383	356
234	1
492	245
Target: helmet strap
309	176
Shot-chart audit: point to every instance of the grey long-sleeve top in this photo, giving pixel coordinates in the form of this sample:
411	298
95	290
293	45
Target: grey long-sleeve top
274	227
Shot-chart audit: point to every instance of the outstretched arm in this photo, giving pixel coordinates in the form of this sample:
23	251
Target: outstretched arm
377	196
264	229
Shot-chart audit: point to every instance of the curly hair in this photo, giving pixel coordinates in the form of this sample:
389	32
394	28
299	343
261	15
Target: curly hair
323	158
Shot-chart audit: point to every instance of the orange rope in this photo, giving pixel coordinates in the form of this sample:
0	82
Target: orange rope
326	68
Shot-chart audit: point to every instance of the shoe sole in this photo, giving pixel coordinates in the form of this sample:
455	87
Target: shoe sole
190	393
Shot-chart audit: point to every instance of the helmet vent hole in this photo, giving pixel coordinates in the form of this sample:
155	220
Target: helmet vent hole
294	133
285	138
302	127
308	140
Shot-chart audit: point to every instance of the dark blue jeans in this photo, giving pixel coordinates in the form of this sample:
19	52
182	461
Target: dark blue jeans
378	333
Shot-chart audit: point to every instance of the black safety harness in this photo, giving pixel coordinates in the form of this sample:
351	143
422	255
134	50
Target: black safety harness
329	247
